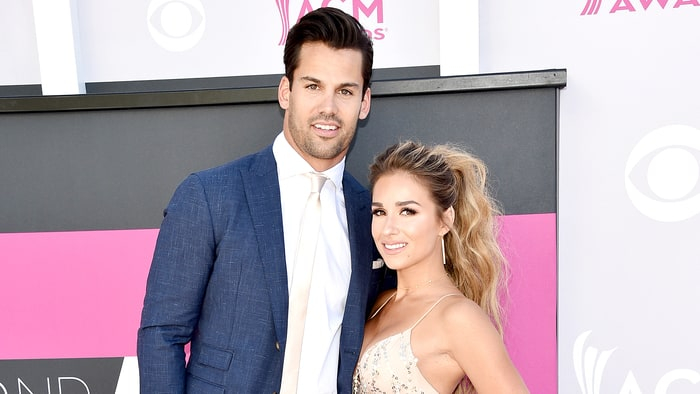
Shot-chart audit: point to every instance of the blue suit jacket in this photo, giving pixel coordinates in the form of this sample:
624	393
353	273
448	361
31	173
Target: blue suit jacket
218	280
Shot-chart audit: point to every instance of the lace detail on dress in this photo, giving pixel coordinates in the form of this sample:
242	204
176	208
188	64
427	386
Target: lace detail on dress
389	366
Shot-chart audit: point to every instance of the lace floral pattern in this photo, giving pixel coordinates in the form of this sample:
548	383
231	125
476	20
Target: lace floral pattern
389	366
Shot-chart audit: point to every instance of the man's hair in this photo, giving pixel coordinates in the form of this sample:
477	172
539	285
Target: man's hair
334	28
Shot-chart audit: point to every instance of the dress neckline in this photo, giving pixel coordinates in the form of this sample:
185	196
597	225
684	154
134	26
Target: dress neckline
400	340
409	329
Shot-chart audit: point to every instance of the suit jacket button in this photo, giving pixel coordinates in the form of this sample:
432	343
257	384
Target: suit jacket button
277	345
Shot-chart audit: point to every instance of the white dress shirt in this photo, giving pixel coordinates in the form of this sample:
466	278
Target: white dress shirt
331	273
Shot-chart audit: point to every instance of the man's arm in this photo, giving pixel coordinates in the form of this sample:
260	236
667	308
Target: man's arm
175	289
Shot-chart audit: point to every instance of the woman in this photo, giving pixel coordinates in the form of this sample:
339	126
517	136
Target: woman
440	330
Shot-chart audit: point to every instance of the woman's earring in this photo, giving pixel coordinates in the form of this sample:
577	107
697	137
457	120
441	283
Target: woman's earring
444	262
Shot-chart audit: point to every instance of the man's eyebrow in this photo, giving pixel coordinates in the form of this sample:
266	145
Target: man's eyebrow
310	79
318	81
350	85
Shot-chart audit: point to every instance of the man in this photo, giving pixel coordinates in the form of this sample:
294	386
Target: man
219	279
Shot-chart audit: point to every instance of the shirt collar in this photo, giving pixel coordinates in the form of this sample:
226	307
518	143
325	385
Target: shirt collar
290	163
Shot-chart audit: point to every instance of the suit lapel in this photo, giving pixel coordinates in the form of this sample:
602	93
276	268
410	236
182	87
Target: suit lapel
263	195
359	221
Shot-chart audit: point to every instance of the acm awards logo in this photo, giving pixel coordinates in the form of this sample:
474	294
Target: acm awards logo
590	367
178	25
662	174
592	7
368	12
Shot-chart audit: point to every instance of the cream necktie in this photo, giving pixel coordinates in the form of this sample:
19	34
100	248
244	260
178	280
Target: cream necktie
301	283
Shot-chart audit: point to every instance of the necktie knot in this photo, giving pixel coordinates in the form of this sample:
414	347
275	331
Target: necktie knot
317	181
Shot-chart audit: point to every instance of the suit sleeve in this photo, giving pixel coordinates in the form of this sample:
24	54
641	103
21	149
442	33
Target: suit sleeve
177	281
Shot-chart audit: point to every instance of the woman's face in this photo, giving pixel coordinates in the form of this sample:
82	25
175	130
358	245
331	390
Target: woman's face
405	224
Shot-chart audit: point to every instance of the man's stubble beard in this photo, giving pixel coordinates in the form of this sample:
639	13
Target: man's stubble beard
305	140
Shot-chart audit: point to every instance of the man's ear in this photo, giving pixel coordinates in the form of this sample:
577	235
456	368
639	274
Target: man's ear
366	101
283	91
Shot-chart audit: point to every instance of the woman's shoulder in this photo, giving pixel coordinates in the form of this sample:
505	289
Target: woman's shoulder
384	296
382	299
461	313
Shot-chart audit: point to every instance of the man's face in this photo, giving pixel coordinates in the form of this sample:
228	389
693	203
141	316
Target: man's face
324	103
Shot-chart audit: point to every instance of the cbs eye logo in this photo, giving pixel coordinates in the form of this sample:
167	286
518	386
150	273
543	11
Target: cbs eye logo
176	25
662	174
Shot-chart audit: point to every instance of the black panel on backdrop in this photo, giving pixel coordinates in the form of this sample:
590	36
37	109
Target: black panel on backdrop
75	376
247	81
116	168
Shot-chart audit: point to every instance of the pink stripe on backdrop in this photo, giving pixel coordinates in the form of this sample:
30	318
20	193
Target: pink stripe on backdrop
72	294
79	294
529	243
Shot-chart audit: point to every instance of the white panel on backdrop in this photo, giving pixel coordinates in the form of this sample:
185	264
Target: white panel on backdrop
459	37
128	382
628	215
57	39
20	58
167	39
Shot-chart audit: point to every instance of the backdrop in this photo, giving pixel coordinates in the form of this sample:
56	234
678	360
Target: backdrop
90	178
629	196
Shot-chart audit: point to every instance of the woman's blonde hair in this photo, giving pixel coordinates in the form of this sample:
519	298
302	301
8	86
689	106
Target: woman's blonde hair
458	179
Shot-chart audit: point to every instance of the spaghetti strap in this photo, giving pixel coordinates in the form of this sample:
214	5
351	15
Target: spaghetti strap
430	309
382	306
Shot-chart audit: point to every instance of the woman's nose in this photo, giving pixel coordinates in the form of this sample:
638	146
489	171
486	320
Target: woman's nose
389	226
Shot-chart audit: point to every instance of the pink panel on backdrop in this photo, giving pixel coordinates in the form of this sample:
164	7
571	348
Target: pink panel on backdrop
79	294
529	243
72	294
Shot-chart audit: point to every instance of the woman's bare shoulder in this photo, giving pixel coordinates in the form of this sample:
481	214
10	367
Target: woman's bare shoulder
462	314
382	299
